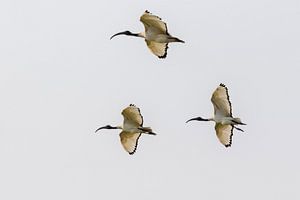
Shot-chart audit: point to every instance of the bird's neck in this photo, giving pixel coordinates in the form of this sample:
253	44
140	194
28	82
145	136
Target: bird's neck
210	119
113	127
119	127
141	34
207	119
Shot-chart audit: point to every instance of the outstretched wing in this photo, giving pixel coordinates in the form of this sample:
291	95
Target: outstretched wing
132	116
221	102
158	49
224	134
153	23
129	141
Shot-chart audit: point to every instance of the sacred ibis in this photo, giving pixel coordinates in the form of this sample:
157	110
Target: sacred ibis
225	123
132	128
156	34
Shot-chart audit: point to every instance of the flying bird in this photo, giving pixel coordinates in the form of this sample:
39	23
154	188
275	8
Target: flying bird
225	123
132	128
156	34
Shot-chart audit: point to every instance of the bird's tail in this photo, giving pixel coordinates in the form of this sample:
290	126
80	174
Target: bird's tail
238	121
175	39
147	130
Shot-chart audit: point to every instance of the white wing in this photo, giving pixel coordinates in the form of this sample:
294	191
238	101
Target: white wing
224	134
129	141
132	116
220	100
153	23
158	49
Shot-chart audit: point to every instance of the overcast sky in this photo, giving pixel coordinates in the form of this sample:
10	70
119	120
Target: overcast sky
61	78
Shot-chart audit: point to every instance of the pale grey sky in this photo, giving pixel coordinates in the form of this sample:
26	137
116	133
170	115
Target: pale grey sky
61	78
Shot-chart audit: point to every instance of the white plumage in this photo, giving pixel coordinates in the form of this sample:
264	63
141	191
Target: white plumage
225	122
156	34
132	128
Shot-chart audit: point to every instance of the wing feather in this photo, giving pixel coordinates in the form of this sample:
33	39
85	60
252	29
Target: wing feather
132	115
158	49
224	134
221	102
153	23
129	141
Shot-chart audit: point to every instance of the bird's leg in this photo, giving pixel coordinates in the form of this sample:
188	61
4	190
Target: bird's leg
238	129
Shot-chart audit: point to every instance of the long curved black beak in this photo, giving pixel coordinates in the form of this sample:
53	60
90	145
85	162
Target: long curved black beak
124	33
196	119
106	127
100	128
121	33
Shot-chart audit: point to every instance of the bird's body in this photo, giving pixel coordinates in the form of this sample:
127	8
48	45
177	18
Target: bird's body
159	38
132	128
156	34
225	122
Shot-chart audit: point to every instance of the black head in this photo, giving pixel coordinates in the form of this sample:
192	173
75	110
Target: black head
124	33
197	119
106	127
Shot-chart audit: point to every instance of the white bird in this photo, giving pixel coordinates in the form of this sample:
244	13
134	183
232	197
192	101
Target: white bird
225	123
132	128
156	34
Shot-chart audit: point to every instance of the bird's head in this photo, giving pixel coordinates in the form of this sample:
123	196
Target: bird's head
124	33
106	127
197	119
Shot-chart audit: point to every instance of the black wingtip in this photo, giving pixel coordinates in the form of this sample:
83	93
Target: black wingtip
222	85
162	57
166	52
230	138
